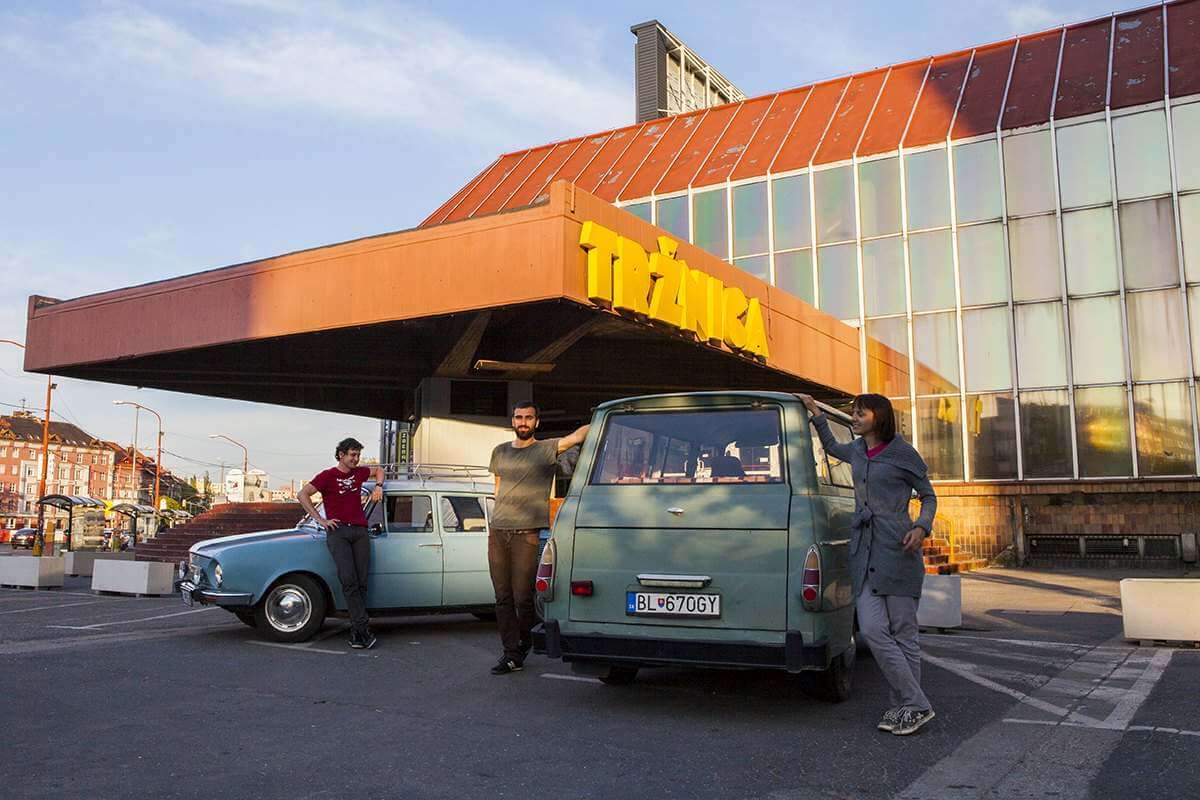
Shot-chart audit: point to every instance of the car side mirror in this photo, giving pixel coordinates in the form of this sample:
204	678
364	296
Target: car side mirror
376	529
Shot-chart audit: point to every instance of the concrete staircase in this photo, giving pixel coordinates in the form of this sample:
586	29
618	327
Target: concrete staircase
224	520
943	558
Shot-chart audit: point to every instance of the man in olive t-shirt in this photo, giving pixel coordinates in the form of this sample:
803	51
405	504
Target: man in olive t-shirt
524	470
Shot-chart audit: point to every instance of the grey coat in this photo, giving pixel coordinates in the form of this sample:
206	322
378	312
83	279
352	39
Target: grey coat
883	487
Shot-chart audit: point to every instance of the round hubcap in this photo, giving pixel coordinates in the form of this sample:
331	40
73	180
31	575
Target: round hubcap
288	608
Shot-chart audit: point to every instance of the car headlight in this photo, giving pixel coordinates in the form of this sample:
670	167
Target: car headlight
217	575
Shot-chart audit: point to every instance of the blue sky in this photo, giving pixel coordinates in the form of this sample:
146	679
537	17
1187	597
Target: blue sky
142	140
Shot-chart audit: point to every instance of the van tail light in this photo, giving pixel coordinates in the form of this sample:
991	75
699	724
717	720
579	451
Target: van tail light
810	591
544	584
581	588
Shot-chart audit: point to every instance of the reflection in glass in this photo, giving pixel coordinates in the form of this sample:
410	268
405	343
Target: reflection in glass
1033	245
1102	432
1028	173
992	436
1157	349
986	350
932	264
982	269
1046	434
927	189
835	205
673	216
838	267
750	219
1162	419
1189	217
887	372
1148	244
879	196
940	435
1140	142
1186	121
902	408
792	212
1097	353
1084	177
883	276
935	339
712	230
758	266
977	181
639	210
1193	297
1091	248
794	274
1041	346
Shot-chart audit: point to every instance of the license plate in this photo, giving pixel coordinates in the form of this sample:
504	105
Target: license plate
185	593
672	604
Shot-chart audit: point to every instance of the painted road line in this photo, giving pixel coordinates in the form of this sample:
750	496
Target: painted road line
1133	699
1130	728
99	639
44	608
951	666
130	621
313	642
301	648
578	678
31	594
950	637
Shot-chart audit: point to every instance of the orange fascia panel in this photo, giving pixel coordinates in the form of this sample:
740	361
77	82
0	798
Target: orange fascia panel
852	115
760	152
695	153
1032	86
979	110
539	179
732	144
1183	50
1137	73
444	208
608	148
495	201
485	187
1083	79
939	97
659	160
894	108
626	162
798	149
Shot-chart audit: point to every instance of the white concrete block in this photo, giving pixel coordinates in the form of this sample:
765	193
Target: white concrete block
1161	608
79	562
35	573
133	577
941	602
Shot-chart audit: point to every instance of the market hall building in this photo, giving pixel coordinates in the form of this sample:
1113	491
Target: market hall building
1005	240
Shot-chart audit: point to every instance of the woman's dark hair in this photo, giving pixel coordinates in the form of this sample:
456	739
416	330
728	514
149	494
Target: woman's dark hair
346	445
885	417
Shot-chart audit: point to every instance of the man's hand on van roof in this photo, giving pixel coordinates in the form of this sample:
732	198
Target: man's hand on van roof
573	440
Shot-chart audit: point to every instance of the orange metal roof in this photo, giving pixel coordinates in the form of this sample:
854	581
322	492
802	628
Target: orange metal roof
1183	31
761	149
802	140
979	109
939	97
894	108
1083	78
1032	84
841	139
1137	59
682	173
732	144
656	163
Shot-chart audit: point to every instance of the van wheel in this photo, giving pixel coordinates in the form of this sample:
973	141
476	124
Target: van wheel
484	616
619	676
833	685
246	617
292	610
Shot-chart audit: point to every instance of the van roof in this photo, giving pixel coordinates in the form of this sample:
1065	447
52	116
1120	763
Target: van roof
713	398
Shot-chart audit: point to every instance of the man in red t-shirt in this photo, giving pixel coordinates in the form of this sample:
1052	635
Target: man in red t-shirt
345	526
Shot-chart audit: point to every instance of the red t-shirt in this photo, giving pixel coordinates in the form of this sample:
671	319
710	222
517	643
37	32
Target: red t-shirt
341	493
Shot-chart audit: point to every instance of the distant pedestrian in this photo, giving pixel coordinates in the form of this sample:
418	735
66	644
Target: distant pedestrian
885	549
524	470
345	525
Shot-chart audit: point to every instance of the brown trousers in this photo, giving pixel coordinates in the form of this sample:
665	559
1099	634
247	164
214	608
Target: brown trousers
512	560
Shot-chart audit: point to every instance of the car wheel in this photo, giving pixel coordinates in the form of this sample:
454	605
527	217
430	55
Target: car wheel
484	616
246	618
292	610
833	684
619	676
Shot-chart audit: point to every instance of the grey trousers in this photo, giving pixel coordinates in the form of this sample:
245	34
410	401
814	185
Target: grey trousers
888	623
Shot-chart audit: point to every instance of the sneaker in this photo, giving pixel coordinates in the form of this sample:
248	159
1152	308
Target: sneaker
910	720
890	719
506	665
368	640
526	647
357	641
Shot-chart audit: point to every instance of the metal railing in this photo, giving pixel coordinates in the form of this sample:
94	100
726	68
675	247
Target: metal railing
478	477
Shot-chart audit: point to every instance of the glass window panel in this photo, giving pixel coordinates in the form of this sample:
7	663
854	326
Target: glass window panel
1091	249
1194	320
1097	353
1157	347
981	265
1028	173
940	435
1102	432
1046	434
1148	244
879	196
758	266
1083	174
1162	419
640	210
1041	345
1189	217
986	349
750	219
1140	142
1186	121
927	189
1033	244
673	217
887	372
712	230
883	276
793	215
935	338
835	205
932	264
794	274
902	408
992	436
838	267
977	181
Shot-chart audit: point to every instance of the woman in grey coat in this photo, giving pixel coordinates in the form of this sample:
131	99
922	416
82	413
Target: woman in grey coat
885	549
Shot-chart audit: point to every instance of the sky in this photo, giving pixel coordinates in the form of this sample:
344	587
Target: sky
145	140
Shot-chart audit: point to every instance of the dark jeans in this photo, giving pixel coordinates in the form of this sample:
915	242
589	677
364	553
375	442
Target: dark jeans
350	547
512	560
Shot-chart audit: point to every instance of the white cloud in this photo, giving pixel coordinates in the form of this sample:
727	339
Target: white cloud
1033	17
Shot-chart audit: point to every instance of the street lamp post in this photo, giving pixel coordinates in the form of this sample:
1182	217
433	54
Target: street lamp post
158	457
245	459
39	546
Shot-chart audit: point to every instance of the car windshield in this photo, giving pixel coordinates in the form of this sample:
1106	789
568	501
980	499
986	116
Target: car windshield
690	447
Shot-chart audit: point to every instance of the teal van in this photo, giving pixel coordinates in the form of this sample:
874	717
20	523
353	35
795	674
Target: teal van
703	529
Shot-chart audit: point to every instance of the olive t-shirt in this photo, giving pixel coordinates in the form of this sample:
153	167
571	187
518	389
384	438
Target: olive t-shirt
526	474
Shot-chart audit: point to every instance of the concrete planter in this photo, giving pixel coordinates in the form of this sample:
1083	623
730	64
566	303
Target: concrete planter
941	602
133	577
1161	608
32	573
79	562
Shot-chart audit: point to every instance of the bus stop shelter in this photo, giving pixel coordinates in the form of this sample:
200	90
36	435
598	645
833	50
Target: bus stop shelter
70	503
136	512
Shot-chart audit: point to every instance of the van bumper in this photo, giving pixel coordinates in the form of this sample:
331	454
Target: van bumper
795	655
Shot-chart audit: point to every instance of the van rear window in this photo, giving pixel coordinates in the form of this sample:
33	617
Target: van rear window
690	447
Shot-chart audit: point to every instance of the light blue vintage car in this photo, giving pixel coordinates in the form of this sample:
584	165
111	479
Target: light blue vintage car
428	554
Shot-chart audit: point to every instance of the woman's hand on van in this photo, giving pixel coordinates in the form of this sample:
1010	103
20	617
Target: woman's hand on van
809	403
913	539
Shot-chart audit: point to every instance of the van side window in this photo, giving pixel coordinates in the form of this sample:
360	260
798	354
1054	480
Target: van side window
462	515
839	471
409	513
819	462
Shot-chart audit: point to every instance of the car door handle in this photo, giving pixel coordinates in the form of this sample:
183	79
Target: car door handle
430	544
676	510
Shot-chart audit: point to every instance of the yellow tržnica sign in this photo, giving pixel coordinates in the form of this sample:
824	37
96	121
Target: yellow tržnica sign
623	276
